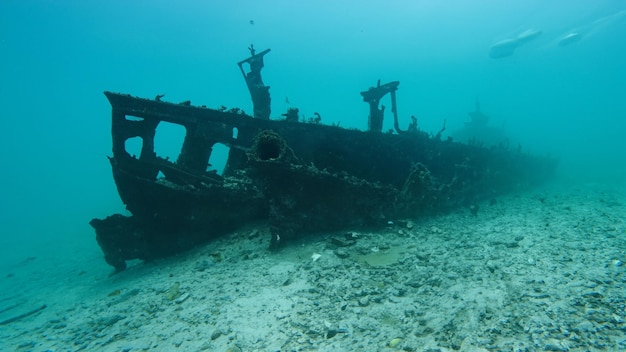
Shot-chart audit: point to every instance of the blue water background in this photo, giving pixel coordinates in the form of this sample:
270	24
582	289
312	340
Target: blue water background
57	57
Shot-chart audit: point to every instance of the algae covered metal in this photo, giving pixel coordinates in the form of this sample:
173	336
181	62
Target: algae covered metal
298	176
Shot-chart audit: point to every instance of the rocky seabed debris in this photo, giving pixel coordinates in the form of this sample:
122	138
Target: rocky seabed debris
532	272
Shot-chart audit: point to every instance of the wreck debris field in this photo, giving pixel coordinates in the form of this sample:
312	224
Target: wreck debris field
313	176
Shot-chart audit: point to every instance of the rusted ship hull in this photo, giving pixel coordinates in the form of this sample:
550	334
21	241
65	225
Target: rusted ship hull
299	177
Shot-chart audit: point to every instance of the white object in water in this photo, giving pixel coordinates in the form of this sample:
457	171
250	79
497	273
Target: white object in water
507	47
569	38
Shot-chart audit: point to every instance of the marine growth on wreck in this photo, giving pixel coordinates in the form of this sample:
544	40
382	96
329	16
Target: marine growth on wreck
298	176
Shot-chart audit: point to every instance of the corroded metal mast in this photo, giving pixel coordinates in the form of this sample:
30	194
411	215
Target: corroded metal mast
259	92
372	96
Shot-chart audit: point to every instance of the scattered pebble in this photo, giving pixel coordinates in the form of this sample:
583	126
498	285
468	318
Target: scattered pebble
395	342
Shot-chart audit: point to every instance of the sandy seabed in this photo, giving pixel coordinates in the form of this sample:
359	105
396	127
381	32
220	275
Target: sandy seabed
534	271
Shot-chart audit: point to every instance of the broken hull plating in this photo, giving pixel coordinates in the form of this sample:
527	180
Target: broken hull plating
298	177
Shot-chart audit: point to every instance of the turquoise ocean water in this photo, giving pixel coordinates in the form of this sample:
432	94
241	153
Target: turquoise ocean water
555	97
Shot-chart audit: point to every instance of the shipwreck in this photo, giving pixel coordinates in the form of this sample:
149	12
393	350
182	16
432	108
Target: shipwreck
300	177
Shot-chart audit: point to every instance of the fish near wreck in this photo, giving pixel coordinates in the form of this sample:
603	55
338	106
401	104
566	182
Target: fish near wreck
298	177
507	47
569	38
